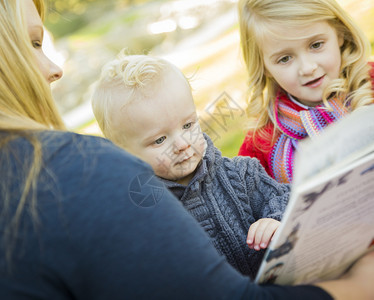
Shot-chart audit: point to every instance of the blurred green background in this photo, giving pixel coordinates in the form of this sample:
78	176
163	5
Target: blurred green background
199	36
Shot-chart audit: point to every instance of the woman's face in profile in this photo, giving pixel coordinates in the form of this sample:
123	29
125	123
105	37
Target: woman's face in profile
50	71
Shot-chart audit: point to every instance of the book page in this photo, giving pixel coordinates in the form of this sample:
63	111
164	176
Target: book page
329	221
340	142
330	225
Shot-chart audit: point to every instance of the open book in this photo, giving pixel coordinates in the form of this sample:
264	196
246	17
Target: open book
329	221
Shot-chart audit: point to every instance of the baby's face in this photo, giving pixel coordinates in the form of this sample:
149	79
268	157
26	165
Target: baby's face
164	131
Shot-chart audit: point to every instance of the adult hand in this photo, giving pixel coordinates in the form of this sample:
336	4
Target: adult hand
358	283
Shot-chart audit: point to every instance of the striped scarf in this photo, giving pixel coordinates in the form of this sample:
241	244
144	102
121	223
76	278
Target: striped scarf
294	126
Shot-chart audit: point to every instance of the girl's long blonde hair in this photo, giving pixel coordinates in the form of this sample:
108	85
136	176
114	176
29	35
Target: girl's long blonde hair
255	16
26	106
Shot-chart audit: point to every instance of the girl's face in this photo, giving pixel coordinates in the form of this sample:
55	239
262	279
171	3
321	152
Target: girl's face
50	71
305	61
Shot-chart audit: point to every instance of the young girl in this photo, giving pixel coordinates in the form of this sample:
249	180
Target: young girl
307	66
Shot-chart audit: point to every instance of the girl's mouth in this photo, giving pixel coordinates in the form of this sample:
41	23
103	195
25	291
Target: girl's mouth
315	82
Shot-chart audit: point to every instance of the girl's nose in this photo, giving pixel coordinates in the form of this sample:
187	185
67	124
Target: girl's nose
307	66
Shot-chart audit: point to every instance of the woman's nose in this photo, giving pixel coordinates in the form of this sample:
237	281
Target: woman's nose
55	72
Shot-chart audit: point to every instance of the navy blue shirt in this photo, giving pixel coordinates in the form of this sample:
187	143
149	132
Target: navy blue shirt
107	228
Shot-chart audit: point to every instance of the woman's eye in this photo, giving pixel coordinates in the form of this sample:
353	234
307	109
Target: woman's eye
187	126
160	140
317	45
36	44
284	59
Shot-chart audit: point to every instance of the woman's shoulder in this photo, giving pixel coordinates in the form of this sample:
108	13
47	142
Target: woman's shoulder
66	142
70	150
55	140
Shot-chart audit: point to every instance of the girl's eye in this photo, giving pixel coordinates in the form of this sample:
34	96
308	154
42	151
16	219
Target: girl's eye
187	126
36	44
160	140
284	59
316	45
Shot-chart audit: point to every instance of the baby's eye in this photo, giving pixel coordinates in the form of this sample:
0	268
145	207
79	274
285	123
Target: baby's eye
187	126
160	140
36	44
316	45
284	59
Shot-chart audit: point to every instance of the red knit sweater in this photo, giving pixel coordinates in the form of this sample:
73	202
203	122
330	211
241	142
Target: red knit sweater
259	146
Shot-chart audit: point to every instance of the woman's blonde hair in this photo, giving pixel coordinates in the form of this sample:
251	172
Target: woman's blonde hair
133	76
26	106
258	17
25	96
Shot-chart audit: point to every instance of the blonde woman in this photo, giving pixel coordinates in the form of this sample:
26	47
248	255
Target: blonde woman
75	218
307	65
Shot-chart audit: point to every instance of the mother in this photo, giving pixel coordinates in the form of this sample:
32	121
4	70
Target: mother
82	219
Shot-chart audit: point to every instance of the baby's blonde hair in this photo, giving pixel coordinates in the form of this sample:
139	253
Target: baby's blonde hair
258	17
135	76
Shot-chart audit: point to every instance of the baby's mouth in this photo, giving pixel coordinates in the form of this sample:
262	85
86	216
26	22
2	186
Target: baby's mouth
184	159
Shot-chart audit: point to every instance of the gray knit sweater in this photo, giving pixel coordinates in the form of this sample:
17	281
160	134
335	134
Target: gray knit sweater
226	196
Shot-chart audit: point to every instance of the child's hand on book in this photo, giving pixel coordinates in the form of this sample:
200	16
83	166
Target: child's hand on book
261	232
